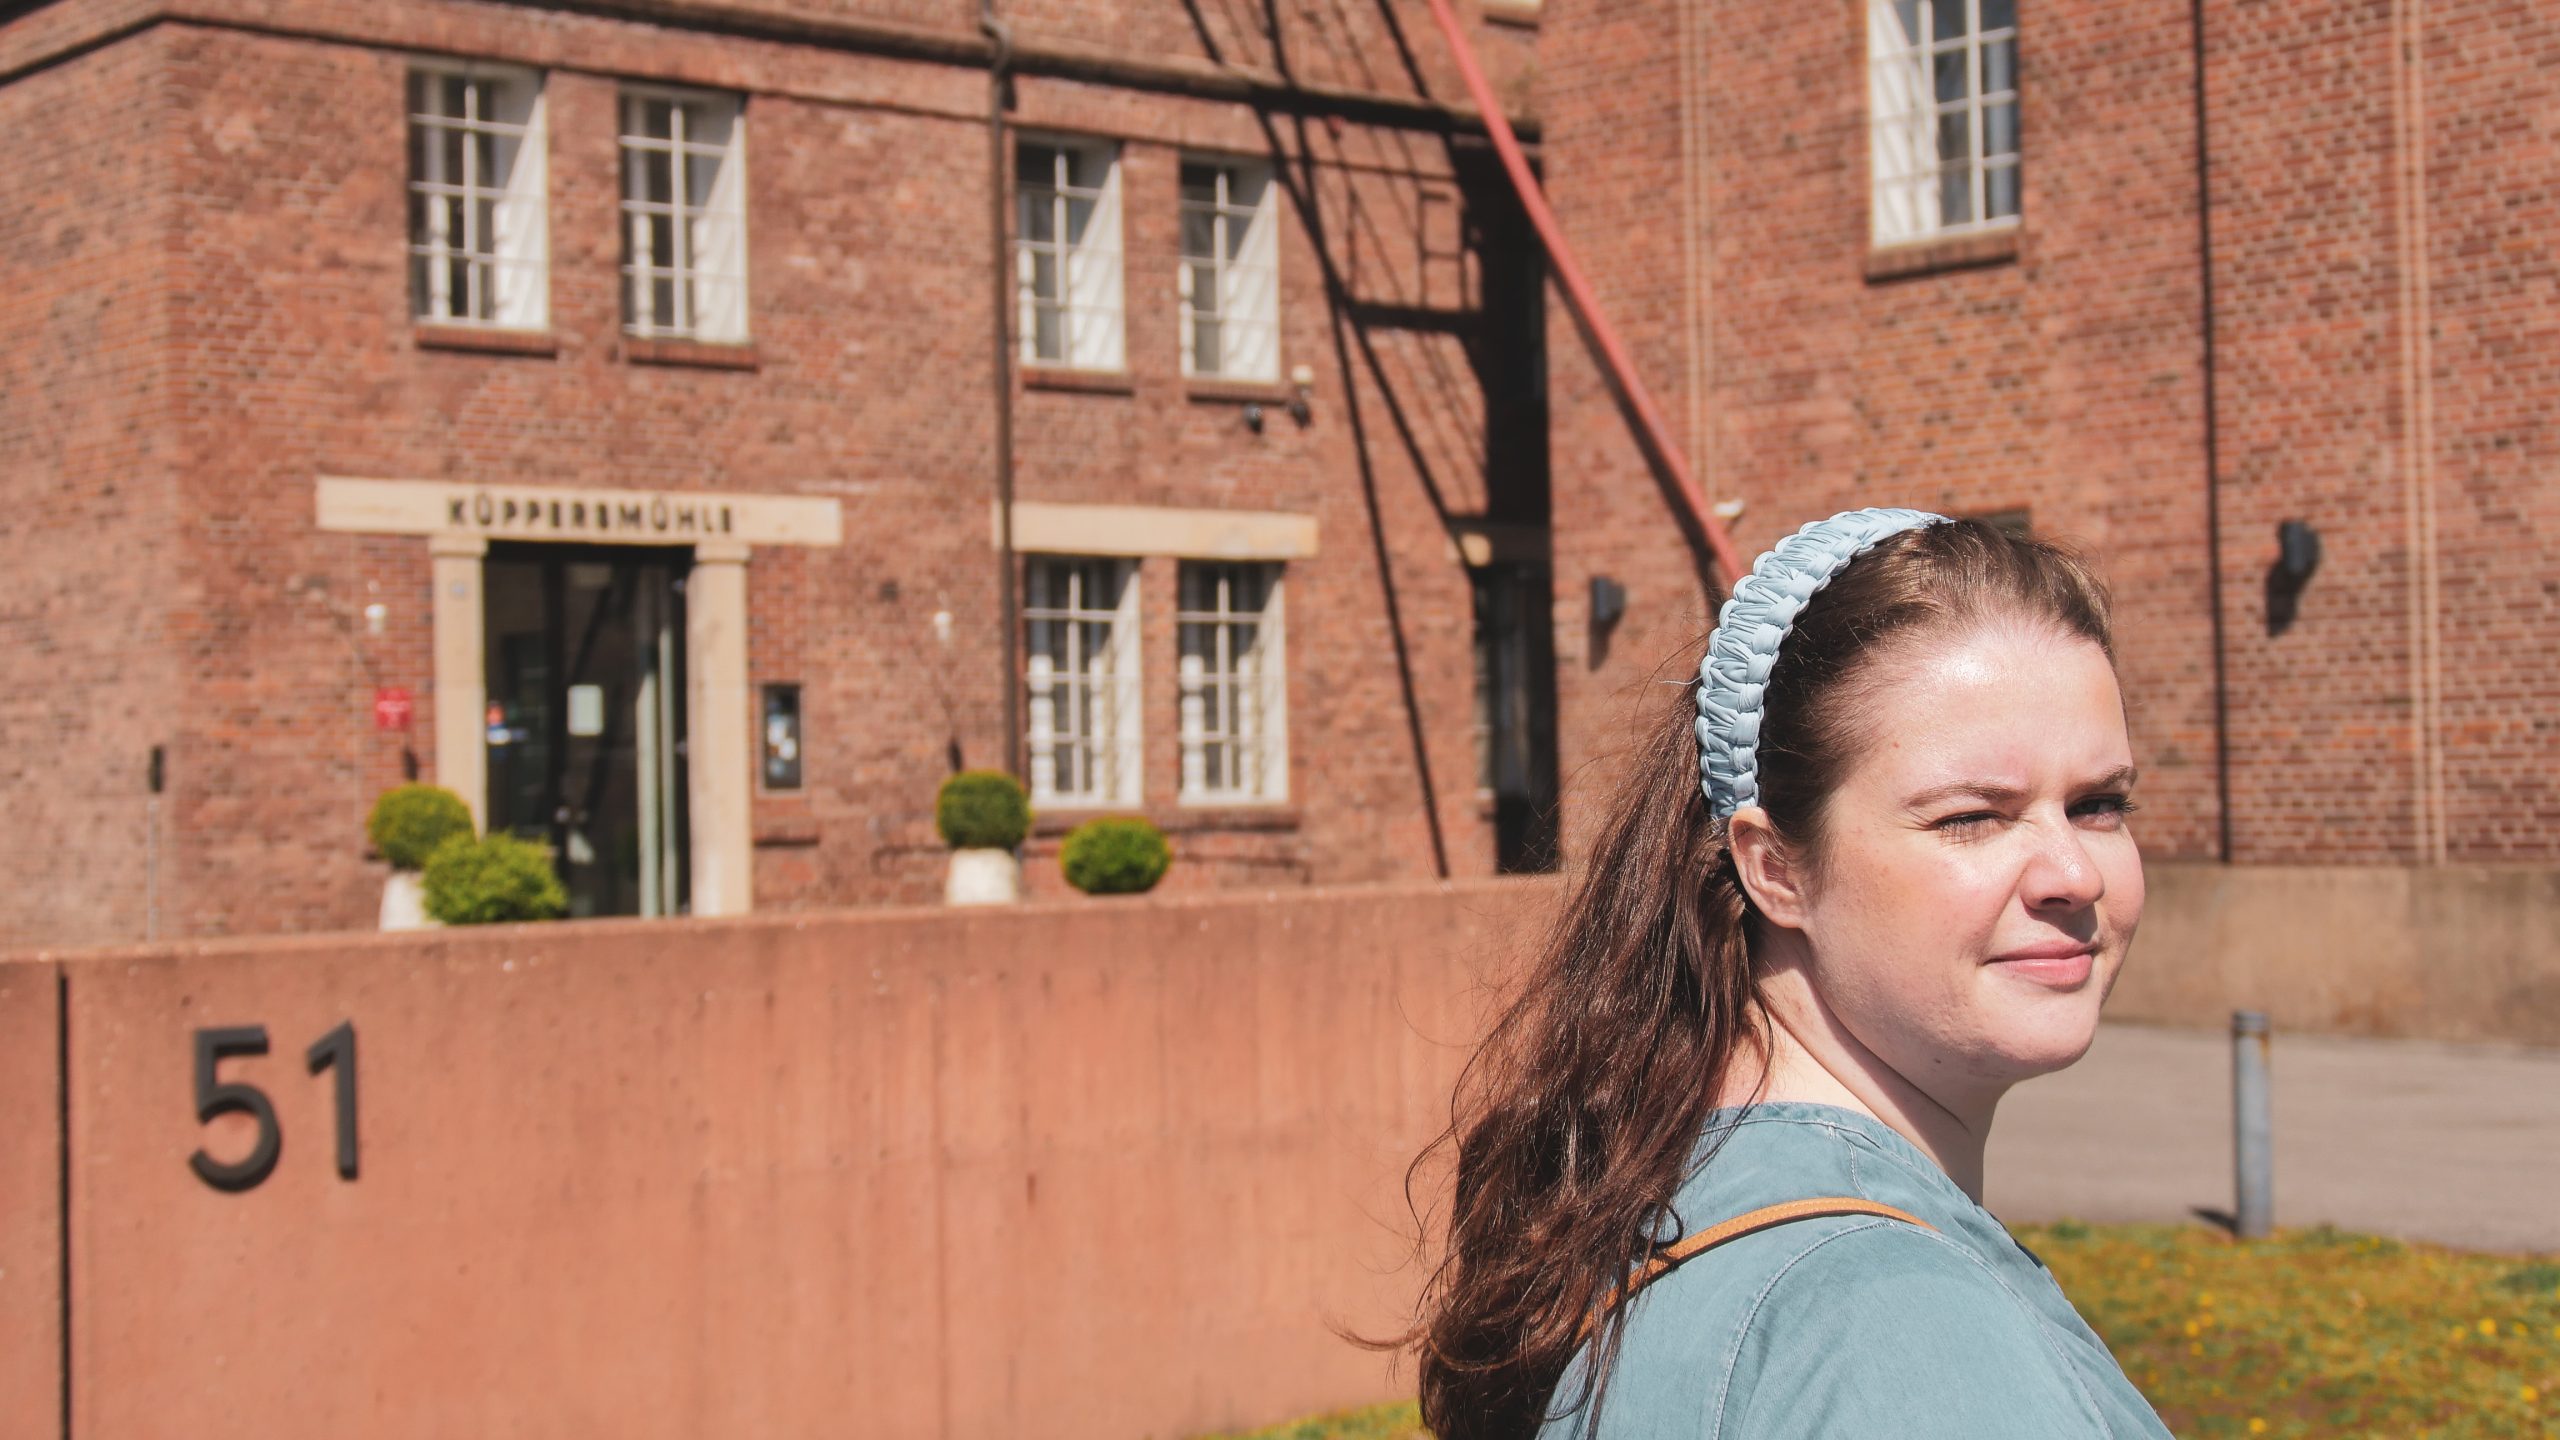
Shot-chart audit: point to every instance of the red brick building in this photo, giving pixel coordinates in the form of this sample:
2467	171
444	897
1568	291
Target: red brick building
596	410
350	346
1956	254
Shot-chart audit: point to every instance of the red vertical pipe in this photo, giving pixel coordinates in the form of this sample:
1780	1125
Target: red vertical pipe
1577	292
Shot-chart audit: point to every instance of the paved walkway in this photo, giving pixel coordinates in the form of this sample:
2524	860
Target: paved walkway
2458	1144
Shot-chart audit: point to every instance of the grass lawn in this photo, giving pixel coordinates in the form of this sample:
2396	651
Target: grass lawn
2310	1333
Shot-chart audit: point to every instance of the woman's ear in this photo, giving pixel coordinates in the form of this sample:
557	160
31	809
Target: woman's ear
1770	874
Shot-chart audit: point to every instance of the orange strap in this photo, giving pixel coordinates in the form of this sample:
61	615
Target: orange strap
1690	1246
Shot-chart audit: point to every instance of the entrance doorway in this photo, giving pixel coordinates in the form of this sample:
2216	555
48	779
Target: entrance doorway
586	722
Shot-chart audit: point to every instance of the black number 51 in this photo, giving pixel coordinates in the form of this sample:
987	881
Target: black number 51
215	1097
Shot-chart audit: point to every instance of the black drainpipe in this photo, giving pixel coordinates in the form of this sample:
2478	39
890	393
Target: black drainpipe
2212	454
1000	38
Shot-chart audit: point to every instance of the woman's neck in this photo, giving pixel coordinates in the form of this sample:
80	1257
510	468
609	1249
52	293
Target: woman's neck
1813	1059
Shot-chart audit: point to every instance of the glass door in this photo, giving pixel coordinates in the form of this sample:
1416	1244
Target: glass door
586	718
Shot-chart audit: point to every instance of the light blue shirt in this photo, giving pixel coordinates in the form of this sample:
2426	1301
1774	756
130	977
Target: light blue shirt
1856	1325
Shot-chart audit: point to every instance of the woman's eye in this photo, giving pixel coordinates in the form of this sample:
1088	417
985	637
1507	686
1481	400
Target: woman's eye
2110	806
1971	819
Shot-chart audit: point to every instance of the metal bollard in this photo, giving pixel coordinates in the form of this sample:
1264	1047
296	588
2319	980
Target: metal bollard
2253	1209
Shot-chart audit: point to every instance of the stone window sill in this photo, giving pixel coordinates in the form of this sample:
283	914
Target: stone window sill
484	339
1513	12
1089	382
1932	257
701	354
1210	389
786	834
1056	820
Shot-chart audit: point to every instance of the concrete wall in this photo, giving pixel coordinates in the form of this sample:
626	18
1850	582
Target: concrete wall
1084	1169
1066	1170
30	1199
2461	952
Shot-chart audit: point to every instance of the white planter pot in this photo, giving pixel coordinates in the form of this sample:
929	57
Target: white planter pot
404	902
982	877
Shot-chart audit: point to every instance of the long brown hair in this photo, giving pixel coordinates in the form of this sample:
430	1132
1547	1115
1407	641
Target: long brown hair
1575	1122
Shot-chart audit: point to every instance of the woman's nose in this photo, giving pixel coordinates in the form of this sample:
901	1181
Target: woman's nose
2060	875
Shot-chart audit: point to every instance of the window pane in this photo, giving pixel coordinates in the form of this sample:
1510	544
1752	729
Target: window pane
450	141
1999	14
1999	66
1199	233
1206	356
1048	333
455	89
1906	15
658	119
1955	196
1955	138
2001	187
1949	22
1044	275
662	301
1200	184
1039	224
701	172
1079	220
662	244
657	177
2000	129
1949	66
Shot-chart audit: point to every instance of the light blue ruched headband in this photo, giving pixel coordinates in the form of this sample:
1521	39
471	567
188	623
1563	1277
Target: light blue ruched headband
1734	674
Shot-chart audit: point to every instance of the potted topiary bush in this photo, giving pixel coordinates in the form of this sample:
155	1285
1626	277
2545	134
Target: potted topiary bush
491	880
1115	855
406	825
983	815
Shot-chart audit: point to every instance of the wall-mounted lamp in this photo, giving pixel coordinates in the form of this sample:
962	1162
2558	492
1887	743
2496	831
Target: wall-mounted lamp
2297	559
1253	416
1302	380
782	737
1608	601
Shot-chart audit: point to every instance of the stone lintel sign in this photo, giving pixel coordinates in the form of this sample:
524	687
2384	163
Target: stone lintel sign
589	516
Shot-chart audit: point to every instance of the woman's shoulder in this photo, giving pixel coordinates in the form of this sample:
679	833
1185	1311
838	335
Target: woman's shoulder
1873	1326
1850	1324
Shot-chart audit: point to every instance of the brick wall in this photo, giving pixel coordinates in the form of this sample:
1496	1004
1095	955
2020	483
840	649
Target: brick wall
280	165
91	570
2067	378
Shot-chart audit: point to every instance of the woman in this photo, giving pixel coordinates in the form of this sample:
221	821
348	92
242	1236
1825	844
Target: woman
1905	884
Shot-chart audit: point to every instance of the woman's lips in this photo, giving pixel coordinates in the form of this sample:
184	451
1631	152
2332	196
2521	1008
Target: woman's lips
2063	968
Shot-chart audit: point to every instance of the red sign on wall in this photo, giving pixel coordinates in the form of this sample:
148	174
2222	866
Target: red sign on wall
392	708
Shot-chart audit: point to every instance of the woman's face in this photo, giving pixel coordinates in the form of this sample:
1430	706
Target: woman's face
1978	882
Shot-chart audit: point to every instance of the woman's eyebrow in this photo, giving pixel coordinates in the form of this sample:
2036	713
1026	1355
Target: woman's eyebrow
1991	790
2120	778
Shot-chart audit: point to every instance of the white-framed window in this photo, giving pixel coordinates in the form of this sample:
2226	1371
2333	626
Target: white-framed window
684	215
1943	100
1234	705
479	245
1080	627
1230	271
1067	254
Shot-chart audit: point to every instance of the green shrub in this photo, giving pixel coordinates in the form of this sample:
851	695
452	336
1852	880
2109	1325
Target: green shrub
982	810
410	821
1115	855
492	880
